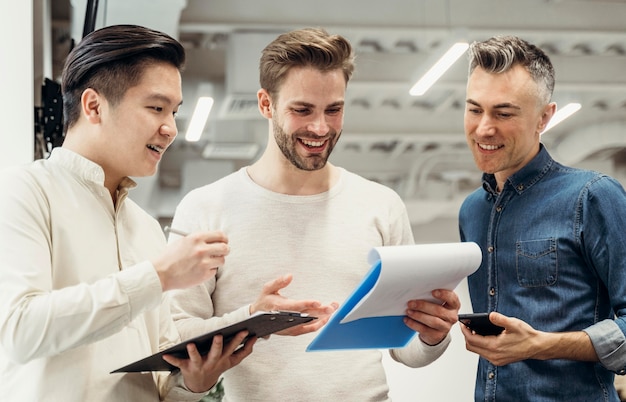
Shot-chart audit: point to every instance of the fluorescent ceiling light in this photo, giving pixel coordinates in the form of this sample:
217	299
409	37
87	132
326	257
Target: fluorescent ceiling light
440	67
199	118
562	114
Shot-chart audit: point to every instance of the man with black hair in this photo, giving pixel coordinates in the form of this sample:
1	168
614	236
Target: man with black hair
84	269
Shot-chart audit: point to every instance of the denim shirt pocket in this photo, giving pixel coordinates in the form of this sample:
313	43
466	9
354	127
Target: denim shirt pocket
535	262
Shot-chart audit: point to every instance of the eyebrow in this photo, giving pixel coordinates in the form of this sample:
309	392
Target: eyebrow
504	105
307	104
162	98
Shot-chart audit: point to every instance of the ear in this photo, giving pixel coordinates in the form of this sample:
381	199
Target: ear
91	105
546	116
265	103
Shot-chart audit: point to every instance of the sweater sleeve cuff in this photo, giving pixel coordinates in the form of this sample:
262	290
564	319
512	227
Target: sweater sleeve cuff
179	392
419	354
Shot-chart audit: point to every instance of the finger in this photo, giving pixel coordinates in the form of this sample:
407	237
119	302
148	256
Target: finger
311	307
174	361
448	298
217	249
305	328
245	350
194	355
234	343
213	236
499	319
217	346
277	284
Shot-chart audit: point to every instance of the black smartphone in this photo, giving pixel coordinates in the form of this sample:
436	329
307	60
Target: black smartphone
480	323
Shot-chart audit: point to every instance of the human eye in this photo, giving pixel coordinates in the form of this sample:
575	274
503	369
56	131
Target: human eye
157	109
301	110
334	110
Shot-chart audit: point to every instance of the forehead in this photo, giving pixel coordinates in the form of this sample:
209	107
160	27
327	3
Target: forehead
159	80
513	86
310	85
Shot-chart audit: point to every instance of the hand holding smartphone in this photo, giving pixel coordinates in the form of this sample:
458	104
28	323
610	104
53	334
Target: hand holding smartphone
480	323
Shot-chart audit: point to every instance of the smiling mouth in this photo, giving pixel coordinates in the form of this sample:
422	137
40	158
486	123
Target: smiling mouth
488	147
156	148
313	146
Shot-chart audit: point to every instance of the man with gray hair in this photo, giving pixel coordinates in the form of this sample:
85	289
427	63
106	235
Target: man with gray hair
553	273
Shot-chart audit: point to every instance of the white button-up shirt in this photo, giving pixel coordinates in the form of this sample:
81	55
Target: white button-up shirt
78	296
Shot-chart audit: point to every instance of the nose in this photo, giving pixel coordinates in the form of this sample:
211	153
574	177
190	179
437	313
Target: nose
485	125
169	129
318	125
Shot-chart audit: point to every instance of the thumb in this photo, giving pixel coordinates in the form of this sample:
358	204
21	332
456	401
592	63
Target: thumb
497	318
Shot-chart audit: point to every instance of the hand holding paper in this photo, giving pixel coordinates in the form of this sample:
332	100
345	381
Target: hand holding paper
372	317
412	273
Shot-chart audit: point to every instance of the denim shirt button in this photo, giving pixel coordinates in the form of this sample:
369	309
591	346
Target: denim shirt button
520	187
492	291
491	375
499	208
490	249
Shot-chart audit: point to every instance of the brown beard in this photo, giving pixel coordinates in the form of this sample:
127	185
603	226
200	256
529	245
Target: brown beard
287	145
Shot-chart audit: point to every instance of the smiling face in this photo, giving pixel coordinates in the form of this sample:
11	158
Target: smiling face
504	117
135	132
307	116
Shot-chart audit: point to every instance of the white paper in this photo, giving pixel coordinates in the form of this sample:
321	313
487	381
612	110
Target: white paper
412	272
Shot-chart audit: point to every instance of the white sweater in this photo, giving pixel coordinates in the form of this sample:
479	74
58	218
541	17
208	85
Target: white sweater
323	240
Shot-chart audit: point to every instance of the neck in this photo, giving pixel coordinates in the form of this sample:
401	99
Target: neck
284	178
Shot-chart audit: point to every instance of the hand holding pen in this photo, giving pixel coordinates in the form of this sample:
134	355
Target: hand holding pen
191	259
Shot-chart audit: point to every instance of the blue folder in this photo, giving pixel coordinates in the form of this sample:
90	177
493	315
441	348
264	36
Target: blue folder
365	333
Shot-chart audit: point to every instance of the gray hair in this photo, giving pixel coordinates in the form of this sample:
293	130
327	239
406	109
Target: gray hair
501	53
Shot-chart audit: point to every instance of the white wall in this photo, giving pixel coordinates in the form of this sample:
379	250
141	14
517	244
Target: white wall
16	72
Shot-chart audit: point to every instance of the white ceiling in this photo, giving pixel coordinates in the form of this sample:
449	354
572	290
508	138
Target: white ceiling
413	144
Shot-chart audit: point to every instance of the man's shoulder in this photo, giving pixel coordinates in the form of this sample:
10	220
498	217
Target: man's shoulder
230	182
29	175
355	180
576	178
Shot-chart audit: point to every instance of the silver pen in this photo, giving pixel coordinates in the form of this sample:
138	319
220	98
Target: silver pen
168	229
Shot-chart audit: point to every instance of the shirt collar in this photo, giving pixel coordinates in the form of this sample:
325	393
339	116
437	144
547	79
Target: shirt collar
526	176
85	168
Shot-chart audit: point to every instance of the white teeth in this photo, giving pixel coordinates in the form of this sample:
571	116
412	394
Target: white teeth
313	143
155	148
488	147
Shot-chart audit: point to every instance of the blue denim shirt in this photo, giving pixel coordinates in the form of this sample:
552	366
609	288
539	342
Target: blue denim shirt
554	255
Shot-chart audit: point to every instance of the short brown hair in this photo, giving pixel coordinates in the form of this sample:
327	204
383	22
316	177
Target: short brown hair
308	47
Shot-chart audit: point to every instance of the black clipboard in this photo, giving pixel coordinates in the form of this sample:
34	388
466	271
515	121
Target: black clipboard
260	324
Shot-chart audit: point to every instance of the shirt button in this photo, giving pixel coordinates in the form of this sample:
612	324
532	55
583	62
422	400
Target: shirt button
499	208
492	291
490	249
520	187
491	375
